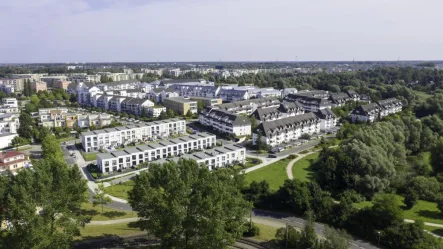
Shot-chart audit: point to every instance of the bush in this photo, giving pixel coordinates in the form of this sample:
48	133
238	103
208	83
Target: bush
252	232
304	152
305	136
292	156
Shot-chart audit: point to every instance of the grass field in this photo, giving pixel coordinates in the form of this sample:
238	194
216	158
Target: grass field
274	174
90	156
423	210
267	233
301	169
436	230
121	229
108	213
120	190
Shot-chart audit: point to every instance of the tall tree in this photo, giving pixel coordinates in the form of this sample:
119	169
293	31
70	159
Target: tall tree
26	125
51	148
100	197
186	206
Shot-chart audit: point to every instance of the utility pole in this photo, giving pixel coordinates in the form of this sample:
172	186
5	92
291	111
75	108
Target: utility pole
286	239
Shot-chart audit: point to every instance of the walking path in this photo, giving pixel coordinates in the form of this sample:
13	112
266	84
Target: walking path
291	163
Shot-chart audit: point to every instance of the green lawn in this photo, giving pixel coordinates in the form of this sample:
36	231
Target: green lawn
274	174
436	230
301	169
120	190
108	213
90	156
24	148
121	229
267	233
423	210
65	139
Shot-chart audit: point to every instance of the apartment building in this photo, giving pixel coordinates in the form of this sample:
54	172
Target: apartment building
233	95
155	111
208	101
99	139
7	88
353	95
9	105
181	105
157	95
38	86
286	109
376	111
157	153
12	161
287	91
49	80
17	83
339	99
268	93
9	122
97	120
61	84
286	130
314	93
249	106
77	78
309	103
119	85
130	157
198	90
225	122
135	105
328	119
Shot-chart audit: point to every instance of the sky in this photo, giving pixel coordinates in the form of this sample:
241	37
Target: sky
213	30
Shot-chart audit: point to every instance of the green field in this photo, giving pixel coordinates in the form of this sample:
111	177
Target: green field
120	190
274	174
90	156
267	233
423	210
436	230
120	229
108	213
301	169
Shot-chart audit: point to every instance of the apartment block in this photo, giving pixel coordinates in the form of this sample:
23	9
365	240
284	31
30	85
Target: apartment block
61	84
309	103
225	122
286	130
181	105
9	122
249	106
38	86
328	119
286	109
377	110
130	157
100	139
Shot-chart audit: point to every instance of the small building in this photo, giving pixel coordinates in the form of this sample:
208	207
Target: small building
180	105
12	161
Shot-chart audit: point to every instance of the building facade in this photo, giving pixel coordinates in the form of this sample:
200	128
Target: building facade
181	105
225	122
12	161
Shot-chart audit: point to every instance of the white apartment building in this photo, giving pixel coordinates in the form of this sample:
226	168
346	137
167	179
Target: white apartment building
225	122
155	111
233	95
309	103
377	110
77	78
328	119
9	105
119	85
157	153
286	130
248	106
9	122
198	90
100	139
286	109
97	120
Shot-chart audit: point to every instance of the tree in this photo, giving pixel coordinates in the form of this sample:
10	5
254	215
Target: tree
100	197
51	148
26	125
257	192
386	211
143	112
411	198
309	236
335	239
170	113
187	206
189	114
18	141
437	156
43	206
35	100
200	105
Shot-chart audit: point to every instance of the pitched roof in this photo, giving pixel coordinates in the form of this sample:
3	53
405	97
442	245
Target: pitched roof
226	117
325	113
286	124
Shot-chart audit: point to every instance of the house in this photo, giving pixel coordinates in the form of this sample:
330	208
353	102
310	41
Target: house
89	120
181	105
309	103
155	110
135	105
9	122
287	129
389	106
225	122
99	139
328	119
12	161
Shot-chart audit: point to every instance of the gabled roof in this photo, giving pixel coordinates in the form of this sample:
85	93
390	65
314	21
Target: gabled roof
325	113
226	117
286	124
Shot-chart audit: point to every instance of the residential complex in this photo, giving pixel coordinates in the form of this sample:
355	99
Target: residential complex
328	119
100	139
225	122
208	101
248	106
377	110
286	130
38	86
309	103
286	109
181	105
61	117
196	147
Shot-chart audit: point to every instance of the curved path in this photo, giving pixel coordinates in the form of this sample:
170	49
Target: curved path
291	163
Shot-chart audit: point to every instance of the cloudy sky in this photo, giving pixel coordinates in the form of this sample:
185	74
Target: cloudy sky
212	30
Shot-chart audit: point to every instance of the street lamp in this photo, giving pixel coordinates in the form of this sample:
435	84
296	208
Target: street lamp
379	235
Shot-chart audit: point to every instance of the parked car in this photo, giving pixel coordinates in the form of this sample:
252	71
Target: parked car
272	156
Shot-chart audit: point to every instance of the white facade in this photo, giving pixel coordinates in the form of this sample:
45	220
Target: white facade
95	140
155	111
226	122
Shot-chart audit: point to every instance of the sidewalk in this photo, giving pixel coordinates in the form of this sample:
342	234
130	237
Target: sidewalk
291	163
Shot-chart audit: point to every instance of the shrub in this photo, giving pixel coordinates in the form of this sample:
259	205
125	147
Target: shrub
304	152
305	136
252	232
292	156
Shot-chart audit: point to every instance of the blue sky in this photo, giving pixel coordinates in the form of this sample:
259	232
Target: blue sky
212	30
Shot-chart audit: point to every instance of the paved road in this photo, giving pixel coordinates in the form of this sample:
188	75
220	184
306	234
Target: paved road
283	219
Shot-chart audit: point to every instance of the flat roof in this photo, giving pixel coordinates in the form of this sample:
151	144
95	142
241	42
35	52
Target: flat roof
105	156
